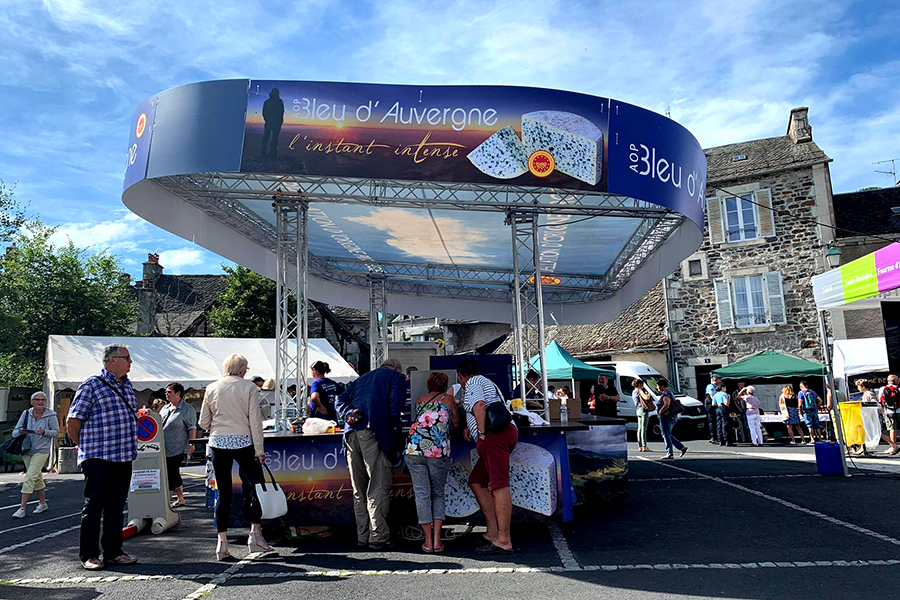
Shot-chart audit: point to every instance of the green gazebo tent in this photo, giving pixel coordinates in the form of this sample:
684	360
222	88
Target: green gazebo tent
769	364
562	365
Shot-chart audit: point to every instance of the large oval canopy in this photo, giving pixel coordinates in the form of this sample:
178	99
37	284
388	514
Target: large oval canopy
418	182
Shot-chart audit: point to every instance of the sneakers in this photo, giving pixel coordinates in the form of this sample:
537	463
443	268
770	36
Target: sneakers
40	508
19	514
684	451
122	559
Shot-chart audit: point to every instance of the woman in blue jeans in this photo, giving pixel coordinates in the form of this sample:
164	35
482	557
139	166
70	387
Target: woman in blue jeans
428	456
667	420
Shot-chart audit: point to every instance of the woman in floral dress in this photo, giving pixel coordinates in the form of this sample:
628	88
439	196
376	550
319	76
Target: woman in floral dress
428	456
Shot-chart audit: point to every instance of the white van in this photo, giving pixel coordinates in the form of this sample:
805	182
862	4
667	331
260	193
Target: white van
693	421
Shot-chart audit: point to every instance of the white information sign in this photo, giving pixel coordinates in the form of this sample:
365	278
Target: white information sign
145	479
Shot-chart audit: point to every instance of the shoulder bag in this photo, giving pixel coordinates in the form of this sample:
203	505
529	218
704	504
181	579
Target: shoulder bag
18	445
497	415
272	500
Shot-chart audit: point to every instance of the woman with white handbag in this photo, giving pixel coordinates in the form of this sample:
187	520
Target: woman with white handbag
231	414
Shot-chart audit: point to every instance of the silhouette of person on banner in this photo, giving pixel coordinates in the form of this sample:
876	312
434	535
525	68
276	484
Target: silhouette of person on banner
273	115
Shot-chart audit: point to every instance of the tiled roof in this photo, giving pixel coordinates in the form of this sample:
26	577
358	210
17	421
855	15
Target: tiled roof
189	293
350	315
642	326
867	213
761	155
474	337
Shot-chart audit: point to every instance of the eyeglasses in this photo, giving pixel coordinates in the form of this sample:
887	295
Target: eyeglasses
126	357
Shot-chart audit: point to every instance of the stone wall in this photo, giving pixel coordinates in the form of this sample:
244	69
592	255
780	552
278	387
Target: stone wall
795	251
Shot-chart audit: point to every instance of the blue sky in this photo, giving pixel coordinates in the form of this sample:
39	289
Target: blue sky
72	72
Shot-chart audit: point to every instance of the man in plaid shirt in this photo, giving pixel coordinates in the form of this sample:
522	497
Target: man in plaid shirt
102	422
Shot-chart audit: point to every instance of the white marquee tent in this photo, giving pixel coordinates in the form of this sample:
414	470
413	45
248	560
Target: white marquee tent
193	362
855	357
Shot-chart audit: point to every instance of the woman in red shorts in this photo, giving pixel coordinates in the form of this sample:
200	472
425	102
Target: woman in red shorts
489	479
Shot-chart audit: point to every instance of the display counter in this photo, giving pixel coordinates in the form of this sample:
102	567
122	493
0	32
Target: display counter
553	467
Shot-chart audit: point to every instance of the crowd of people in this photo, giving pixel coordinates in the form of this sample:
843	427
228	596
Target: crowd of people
102	422
103	415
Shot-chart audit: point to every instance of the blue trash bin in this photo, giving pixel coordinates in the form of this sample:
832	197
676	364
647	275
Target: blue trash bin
828	459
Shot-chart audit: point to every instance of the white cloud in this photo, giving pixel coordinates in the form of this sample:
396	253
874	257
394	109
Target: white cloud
121	235
414	234
176	261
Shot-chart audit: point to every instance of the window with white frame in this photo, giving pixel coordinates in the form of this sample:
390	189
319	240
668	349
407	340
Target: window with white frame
749	301
753	300
740	218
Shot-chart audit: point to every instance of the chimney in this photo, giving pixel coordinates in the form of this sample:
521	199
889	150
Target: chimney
146	323
152	271
799	129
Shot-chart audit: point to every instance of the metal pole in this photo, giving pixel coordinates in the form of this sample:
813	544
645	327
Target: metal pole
521	368
302	275
838	425
279	291
291	320
539	307
378	344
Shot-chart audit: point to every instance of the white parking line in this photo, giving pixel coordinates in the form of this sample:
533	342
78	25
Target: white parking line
218	580
17	505
785	503
40	539
41	522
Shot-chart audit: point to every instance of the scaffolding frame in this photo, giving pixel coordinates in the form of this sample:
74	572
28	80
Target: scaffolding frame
378	320
292	316
528	304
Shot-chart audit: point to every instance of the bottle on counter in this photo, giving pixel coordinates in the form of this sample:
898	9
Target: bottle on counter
563	412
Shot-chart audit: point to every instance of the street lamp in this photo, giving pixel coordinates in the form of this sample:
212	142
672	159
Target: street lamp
833	256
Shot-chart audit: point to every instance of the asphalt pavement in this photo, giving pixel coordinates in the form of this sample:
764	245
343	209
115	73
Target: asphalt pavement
742	522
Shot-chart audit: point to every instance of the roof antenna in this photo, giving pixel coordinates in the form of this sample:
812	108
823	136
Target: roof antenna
892	172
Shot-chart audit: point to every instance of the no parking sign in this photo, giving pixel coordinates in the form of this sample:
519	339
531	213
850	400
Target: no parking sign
146	428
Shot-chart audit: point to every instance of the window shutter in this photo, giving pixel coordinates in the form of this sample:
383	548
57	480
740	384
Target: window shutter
714	220
723	304
766	216
775	294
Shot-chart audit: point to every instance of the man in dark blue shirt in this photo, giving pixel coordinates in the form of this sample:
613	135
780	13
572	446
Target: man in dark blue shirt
371	410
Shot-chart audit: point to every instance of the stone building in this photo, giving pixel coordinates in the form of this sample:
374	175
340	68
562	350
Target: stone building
459	336
866	221
638	334
175	305
747	287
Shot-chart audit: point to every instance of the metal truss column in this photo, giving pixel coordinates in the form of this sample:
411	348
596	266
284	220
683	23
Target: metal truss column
528	304
291	320
378	321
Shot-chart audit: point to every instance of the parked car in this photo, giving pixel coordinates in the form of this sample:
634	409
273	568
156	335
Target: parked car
693	421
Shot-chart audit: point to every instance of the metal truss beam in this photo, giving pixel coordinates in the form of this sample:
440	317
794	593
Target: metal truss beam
528	304
221	195
378	321
291	320
413	194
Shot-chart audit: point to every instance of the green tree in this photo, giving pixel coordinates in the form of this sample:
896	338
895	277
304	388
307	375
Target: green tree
48	290
247	308
12	215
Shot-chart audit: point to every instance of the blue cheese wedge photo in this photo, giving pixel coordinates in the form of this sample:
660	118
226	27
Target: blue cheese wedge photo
501	156
575	143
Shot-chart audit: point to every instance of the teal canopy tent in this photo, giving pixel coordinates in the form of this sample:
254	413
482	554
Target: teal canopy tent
562	365
769	364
